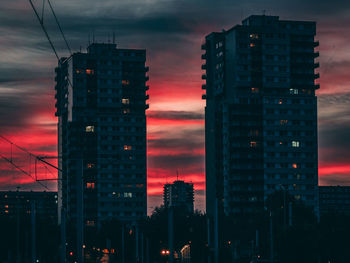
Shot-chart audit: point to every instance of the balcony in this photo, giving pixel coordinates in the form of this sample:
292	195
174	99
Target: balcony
204	56
317	86
204	47
146	88
204	87
146	106
147	97
204	97
147	78
317	76
204	76
316	54
204	66
146	69
316	43
317	65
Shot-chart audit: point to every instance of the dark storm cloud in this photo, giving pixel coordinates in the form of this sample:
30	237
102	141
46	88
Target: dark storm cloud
22	73
187	162
178	141
176	115
329	100
176	144
334	127
171	31
336	179
14	112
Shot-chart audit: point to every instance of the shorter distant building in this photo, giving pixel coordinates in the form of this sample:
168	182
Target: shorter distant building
179	194
13	203
334	200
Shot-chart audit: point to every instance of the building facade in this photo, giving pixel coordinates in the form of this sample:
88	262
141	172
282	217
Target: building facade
101	104
19	203
260	114
334	200
179	194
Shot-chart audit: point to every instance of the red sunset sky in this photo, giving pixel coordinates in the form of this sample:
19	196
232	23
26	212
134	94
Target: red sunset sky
172	33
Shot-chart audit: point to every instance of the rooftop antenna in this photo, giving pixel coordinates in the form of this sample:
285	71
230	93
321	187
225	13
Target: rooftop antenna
177	175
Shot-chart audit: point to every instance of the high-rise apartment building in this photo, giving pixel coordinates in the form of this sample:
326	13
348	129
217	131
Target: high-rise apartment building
101	104
179	194
261	114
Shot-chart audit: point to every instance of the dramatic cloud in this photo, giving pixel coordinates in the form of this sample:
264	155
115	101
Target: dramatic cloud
172	32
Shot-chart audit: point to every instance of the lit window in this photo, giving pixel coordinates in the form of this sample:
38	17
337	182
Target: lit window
6	211
90	165
295	144
127	147
6	206
90	185
252	45
283	122
126	111
125	82
280	101
127	195
255	90
293	91
126	101
90	129
254	132
79	71
254	36
252	198
253	144
295	165
90	222
90	71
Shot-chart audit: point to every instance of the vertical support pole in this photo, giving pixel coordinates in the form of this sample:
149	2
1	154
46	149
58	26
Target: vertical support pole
137	256
216	232
171	233
284	209
17	228
290	214
209	239
271	238
33	221
123	245
80	212
27	245
63	235
142	248
147	250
